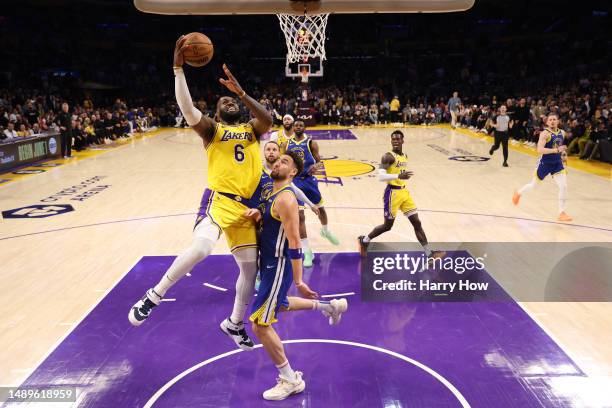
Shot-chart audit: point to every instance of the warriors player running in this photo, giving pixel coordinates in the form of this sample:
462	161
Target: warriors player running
393	172
234	172
550	146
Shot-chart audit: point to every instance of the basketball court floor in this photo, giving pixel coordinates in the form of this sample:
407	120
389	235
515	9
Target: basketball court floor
81	241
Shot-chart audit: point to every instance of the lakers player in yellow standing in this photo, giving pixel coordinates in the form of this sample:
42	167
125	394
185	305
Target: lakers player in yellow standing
286	132
394	173
234	170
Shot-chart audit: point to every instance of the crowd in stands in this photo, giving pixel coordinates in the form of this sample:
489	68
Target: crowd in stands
380	69
25	114
584	111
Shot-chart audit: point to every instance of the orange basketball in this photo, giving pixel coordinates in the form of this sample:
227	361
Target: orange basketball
199	51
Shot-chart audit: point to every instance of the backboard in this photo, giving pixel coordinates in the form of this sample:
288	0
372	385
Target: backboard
298	7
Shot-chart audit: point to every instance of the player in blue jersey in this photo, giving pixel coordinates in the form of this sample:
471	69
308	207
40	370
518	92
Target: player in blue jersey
280	264
552	149
308	150
271	156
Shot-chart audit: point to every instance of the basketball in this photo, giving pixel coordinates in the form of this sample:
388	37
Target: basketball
199	51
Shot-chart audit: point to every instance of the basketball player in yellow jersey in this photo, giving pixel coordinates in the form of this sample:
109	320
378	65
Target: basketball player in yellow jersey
282	135
234	170
393	171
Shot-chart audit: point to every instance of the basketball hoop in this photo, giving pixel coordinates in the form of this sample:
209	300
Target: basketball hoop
304	35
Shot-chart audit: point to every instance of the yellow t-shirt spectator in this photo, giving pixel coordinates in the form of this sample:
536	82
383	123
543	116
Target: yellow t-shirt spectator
394	105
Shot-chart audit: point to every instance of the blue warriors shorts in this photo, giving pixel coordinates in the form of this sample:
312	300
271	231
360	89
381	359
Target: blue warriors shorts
544	169
397	199
228	215
276	278
310	186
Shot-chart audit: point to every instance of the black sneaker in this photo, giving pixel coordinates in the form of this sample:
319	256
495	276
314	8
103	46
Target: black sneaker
237	333
142	309
491	150
505	164
363	246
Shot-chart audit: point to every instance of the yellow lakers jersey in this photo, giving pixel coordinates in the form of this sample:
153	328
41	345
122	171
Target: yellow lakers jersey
234	160
398	167
282	137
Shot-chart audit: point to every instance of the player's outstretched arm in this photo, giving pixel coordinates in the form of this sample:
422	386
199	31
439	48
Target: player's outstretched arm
302	197
263	119
202	124
286	207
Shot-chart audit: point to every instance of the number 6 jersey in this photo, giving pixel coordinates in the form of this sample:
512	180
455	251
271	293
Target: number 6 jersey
234	160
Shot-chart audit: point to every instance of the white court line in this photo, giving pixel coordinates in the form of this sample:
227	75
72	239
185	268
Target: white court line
555	339
168	300
338	294
422	366
215	287
61	339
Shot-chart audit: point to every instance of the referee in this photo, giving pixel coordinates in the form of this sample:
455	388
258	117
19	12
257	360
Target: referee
501	123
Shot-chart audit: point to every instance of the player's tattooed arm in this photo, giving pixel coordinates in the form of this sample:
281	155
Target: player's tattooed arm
263	119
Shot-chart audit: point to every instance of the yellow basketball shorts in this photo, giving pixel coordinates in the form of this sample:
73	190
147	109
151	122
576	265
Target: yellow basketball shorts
396	199
228	215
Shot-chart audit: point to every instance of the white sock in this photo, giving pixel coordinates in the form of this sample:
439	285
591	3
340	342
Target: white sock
322	305
426	249
305	247
245	285
184	263
366	239
561	181
324	227
528	187
286	371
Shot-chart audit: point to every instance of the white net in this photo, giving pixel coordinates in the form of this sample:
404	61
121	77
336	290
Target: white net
304	35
